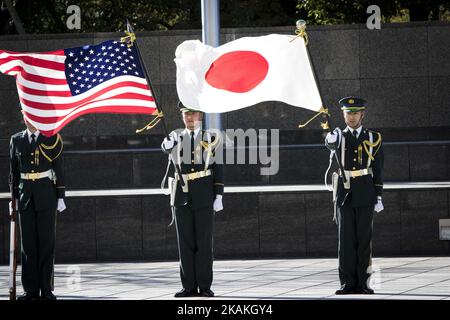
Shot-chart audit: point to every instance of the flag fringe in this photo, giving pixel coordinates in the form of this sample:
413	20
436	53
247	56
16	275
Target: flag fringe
321	111
301	32
152	123
129	39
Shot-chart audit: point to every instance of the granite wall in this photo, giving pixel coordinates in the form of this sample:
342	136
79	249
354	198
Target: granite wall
403	70
256	225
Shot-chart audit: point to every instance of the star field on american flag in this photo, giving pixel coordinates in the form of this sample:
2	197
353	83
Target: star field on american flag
89	66
56	87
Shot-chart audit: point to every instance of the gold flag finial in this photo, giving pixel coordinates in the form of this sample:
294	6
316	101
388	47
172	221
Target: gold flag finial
325	125
300	30
130	37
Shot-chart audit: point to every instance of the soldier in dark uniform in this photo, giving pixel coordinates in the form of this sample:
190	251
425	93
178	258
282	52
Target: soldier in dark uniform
37	184
195	203
361	154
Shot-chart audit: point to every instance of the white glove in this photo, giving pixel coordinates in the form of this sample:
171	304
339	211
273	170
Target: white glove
331	137
218	206
379	206
61	205
10	206
170	141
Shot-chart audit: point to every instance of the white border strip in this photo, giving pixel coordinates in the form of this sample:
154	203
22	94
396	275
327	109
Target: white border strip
245	189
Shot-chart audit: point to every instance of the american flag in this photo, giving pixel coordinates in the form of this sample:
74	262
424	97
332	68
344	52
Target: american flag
58	86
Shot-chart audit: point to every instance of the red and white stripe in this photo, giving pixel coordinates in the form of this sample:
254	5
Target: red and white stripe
46	98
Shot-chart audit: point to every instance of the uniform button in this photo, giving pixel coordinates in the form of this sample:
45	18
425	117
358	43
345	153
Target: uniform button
354	159
192	169
32	162
354	168
32	170
192	161
356	151
193	152
32	154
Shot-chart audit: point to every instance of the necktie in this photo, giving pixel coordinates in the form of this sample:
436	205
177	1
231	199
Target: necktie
192	146
33	142
355	134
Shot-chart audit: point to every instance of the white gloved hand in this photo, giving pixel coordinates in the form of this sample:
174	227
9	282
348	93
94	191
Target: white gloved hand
331	137
379	206
168	143
10	206
218	206
61	205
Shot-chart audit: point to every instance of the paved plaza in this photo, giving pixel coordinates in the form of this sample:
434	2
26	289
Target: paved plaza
406	278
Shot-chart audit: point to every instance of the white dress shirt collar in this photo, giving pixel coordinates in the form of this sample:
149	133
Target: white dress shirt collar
36	135
357	130
196	131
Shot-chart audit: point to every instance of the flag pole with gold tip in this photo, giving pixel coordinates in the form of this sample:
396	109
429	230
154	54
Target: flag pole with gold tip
130	40
301	32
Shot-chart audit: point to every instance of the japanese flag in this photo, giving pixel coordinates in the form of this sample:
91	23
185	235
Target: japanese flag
244	72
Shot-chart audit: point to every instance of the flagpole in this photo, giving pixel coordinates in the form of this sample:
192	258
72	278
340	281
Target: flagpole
211	36
149	82
301	30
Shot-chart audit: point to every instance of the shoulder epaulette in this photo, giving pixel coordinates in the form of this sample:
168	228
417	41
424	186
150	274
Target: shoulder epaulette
18	134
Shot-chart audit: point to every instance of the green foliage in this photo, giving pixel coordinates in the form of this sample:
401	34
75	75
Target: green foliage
50	16
257	13
354	11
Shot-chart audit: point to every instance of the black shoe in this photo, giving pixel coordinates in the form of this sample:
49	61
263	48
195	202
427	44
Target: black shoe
186	293
206	293
346	290
48	295
365	290
28	296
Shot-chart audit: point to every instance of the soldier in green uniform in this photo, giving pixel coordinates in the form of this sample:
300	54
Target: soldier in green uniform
194	203
361	154
37	183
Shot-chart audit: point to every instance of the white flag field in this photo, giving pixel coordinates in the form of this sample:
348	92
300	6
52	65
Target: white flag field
244	72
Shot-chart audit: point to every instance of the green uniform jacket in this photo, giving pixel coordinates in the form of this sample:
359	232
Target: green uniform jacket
202	191
46	156
364	189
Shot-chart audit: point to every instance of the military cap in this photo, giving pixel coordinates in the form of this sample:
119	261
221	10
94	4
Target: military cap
183	108
352	104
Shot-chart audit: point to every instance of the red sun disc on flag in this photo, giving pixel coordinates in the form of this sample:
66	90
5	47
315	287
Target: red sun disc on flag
237	71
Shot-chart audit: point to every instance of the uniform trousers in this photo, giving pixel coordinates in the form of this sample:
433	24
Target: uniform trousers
37	229
355	244
195	245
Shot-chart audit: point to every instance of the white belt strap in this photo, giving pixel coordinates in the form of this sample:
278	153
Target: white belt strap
347	179
196	175
330	162
370	149
358	173
208	150
163	182
338	132
343	150
38	175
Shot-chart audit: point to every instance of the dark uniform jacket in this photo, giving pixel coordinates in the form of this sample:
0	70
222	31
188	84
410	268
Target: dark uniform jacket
364	189
202	191
46	156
